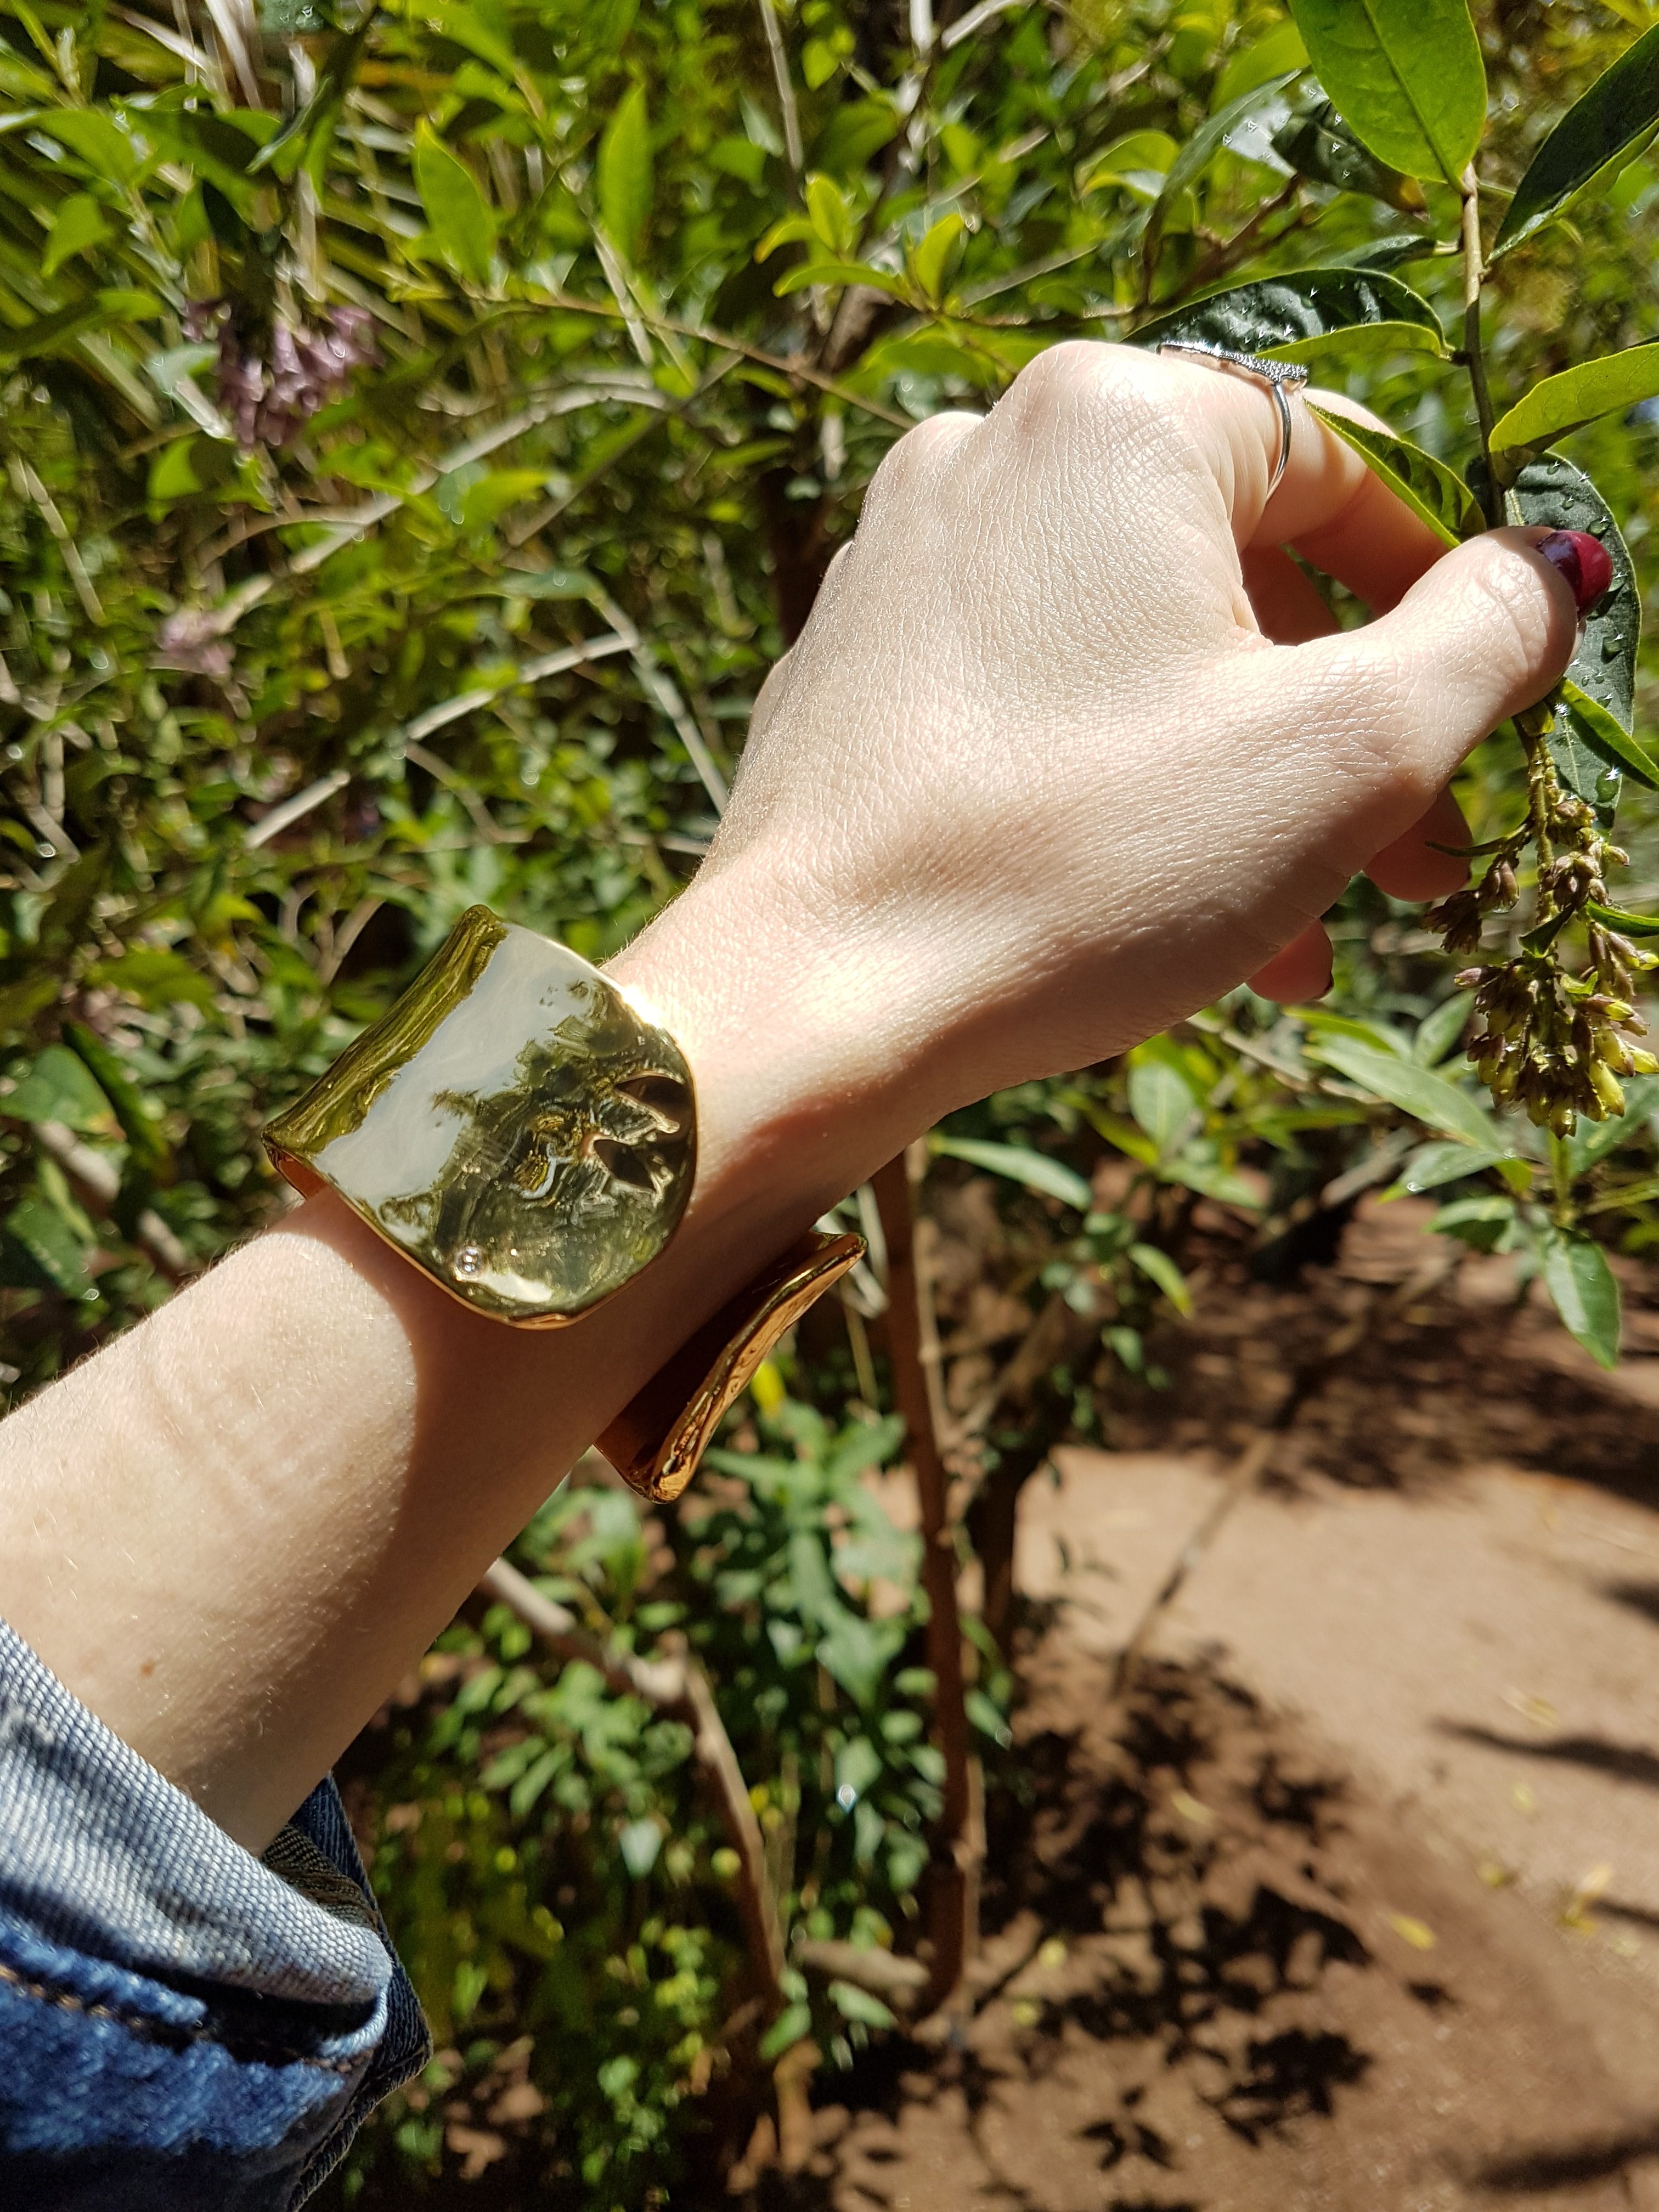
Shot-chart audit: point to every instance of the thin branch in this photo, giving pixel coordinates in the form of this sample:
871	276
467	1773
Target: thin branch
774	47
1474	359
99	1182
958	1840
295	808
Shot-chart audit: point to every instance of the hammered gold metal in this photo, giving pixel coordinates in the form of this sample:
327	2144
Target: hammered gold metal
513	1124
656	1441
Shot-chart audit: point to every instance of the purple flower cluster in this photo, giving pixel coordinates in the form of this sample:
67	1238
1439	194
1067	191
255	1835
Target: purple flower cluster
269	391
192	638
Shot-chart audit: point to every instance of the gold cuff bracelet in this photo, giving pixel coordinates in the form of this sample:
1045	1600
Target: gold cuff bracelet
524	1134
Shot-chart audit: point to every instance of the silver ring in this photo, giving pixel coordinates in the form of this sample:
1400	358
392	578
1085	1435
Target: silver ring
1281	377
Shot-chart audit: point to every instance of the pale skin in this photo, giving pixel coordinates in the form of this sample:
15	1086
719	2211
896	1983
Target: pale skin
1067	749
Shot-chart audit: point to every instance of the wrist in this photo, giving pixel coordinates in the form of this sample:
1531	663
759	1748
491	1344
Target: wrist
804	1084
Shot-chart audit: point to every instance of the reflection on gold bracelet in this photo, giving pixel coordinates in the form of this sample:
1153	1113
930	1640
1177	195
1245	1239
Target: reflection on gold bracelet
515	1125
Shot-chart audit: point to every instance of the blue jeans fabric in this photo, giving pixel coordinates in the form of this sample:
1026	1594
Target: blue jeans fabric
182	2025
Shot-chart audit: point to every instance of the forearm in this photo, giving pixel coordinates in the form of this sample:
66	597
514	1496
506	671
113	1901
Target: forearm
231	1532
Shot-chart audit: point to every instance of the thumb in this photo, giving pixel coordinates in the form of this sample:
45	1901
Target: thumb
1481	635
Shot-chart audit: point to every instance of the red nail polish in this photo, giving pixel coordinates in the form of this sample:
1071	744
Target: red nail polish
1584	562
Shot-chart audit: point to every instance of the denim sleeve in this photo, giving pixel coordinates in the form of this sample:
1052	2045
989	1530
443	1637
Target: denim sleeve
183	2027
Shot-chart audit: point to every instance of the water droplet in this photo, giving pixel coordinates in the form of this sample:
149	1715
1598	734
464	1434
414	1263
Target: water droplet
847	1796
469	1260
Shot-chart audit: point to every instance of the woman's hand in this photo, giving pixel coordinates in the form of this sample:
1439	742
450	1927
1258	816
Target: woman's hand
1034	782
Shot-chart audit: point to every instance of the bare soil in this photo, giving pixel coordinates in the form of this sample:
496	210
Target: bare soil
1353	1899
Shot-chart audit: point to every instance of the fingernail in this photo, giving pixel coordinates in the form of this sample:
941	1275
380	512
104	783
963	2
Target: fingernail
1584	562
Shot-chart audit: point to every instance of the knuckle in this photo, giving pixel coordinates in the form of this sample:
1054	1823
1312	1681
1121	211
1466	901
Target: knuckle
1083	377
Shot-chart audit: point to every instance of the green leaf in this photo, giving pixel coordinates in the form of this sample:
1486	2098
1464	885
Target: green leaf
59	1087
1161	1100
1431	1165
832	219
624	174
1140	159
1158	1267
1563	404
987	1717
95	138
1550	491
841	273
148	1147
1210	1179
791	2026
155	977
462	222
1200	151
929	261
1295	318
1441	1031
1271	56
1317	143
1406	76
854	2003
51	1243
1481	1222
1585	1292
1050	1178
1607	127
1418	1092
1627	925
1594	726
1434	493
78	225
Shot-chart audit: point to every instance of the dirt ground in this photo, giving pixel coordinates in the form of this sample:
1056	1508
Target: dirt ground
1351	1900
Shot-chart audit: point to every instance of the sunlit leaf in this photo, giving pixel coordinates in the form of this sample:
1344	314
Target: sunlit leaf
1608	126
1563	404
1050	1178
463	224
1158	1267
1434	492
623	173
1406	74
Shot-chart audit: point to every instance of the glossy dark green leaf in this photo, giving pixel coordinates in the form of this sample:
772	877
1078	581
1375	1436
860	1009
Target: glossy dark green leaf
1200	150
1300	317
1563	404
1317	143
1609	126
1434	493
1594	726
1585	1292
1406	74
1551	492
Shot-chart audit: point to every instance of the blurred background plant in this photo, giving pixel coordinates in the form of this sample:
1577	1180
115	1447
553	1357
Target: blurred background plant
422	428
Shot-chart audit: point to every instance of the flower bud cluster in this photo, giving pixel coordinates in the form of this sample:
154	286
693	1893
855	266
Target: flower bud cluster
1553	1043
